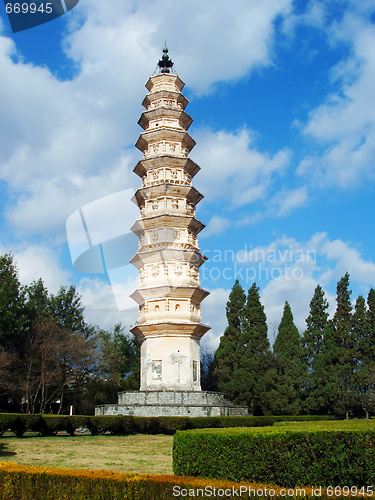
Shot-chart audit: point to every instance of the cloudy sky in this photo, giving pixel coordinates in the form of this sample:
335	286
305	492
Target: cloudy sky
282	97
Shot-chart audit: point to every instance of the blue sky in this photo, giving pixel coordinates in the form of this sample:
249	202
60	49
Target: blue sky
282	98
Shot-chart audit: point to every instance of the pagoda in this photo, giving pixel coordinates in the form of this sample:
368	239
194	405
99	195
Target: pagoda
169	294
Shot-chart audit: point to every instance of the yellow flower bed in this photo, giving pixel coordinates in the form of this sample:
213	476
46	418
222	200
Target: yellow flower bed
44	483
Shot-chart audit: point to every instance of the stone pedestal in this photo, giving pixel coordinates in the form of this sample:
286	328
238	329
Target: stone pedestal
172	403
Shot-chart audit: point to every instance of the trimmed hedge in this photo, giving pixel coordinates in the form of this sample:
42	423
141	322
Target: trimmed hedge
37	483
342	455
50	425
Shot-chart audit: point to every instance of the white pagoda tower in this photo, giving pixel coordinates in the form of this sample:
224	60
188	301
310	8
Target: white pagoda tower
168	259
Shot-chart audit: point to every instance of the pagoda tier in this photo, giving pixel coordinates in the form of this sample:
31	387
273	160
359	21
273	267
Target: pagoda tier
165	117
161	167
168	258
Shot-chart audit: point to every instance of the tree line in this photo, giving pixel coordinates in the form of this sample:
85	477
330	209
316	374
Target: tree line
329	369
50	358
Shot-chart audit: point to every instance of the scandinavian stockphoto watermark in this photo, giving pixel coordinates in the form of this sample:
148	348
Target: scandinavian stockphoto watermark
24	15
105	235
251	264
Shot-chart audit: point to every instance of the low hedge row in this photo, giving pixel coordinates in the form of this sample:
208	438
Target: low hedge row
280	455
49	425
37	483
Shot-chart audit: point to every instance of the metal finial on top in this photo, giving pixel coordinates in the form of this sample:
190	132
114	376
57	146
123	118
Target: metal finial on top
165	63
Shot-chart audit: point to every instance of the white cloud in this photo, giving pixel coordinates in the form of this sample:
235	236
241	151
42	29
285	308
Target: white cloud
347	259
61	142
288	200
133	32
213	314
100	305
344	125
40	261
217	225
235	173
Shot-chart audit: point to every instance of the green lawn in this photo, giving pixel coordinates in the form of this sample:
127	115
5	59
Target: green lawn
139	453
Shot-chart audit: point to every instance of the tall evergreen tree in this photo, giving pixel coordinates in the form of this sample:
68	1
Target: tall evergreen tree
13	317
371	318
364	353
370	396
290	366
327	390
345	341
37	300
226	356
255	354
342	319
313	340
67	308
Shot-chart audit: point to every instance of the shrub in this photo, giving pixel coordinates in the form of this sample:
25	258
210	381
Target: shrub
146	425
112	424
18	425
7	422
52	424
247	421
169	425
279	455
17	481
205	422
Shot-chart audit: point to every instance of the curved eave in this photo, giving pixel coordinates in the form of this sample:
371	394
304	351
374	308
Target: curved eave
168	255
166	134
182	292
168	220
167	77
163	189
157	113
146	164
165	94
169	329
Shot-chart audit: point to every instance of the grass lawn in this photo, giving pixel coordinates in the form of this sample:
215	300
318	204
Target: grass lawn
140	453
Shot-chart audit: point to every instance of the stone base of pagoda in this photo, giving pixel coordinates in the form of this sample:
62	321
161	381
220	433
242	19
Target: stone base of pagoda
172	404
170	356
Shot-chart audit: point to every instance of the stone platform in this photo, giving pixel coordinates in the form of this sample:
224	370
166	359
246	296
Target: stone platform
172	403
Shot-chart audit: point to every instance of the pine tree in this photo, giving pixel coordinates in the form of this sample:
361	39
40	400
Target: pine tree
291	369
226	359
370	396
313	340
13	318
256	357
371	318
326	374
364	353
344	338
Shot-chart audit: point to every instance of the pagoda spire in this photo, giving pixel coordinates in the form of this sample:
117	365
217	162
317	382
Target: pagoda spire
165	62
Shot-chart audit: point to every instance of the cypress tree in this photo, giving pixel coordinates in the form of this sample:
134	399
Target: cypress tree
370	397
371	318
344	338
364	353
256	357
226	359
336	392
327	380
13	317
313	340
290	367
